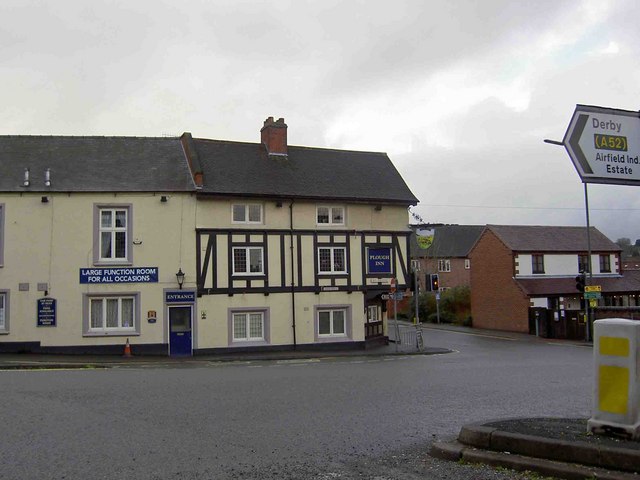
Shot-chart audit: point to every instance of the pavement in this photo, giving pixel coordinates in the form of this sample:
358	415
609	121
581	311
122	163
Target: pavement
556	447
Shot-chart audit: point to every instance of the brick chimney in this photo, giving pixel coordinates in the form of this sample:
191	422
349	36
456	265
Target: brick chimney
274	136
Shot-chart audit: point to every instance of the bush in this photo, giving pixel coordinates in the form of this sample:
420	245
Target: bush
455	306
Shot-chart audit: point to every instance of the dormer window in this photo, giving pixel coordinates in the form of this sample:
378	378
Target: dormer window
583	263
537	263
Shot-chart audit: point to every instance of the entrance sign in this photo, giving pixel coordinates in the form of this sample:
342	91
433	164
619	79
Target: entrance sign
46	312
179	296
604	145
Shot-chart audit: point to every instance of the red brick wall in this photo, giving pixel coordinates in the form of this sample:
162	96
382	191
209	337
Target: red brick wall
456	277
496	300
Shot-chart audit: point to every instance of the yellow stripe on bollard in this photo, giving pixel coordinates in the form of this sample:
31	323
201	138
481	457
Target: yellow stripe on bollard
613	387
615	346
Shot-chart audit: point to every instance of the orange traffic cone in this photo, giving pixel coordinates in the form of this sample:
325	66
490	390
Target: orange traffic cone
127	349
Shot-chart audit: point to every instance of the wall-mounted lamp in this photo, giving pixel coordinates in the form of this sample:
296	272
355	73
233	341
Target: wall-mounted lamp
164	199
180	277
378	208
279	204
44	199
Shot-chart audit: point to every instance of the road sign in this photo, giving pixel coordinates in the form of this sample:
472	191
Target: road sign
604	145
392	296
593	288
592	295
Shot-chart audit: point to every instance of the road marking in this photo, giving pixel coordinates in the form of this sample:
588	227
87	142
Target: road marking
474	334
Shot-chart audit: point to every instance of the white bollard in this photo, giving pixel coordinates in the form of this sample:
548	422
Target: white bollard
616	392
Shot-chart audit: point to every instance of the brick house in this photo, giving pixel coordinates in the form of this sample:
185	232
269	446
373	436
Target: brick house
448	255
523	278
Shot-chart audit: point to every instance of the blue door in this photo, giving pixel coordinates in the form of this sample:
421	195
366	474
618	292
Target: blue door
180	330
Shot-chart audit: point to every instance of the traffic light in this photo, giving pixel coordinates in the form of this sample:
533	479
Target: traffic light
434	282
580	282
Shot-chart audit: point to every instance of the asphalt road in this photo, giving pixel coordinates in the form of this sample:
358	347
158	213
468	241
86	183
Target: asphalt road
343	418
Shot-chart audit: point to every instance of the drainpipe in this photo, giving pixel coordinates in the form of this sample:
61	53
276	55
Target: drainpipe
293	286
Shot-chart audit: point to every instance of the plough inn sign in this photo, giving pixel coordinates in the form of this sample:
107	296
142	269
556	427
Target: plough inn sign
119	275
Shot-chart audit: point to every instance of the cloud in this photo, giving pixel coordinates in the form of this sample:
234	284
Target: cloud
460	94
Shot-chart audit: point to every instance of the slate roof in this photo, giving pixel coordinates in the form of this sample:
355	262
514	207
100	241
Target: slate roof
245	169
450	241
94	164
628	282
527	238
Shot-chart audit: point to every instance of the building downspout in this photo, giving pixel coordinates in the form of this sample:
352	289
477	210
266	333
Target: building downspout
293	286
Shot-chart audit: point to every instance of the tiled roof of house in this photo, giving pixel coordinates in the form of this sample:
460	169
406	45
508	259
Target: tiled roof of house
237	168
526	238
628	282
93	164
450	241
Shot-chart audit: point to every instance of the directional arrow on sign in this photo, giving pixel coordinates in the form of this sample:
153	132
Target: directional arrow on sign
604	145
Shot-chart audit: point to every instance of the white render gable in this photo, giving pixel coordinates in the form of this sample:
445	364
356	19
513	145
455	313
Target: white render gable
560	265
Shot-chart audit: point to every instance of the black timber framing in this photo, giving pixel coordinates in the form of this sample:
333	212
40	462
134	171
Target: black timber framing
207	274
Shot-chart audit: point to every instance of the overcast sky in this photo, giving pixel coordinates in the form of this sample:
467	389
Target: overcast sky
460	94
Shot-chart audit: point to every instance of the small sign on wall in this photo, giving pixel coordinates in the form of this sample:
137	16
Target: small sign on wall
152	316
47	312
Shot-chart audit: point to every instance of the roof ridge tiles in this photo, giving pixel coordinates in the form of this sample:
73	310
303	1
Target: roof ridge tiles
299	147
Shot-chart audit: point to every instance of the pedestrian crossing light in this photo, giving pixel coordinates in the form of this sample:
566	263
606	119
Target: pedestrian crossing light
435	286
580	282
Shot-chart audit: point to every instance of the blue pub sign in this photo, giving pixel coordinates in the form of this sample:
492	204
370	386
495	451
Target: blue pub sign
379	260
46	312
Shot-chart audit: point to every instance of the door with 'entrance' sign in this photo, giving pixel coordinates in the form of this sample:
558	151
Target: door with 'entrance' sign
180	321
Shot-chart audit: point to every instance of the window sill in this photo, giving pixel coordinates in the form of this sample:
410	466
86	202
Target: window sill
114	263
332	338
119	333
4	332
248	343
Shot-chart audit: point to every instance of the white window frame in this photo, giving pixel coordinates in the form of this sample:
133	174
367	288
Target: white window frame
444	265
4	311
105	300
98	229
333	270
332	312
246	318
246	216
373	314
330	213
247	250
1	234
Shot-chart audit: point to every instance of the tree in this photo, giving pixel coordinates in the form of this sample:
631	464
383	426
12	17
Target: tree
623	242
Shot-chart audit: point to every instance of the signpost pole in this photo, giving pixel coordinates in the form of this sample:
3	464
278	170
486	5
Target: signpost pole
395	318
392	291
590	282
